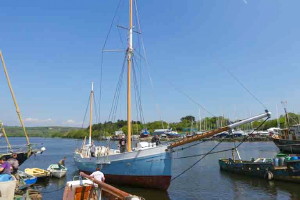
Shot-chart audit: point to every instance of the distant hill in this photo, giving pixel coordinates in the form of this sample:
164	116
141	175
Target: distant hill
16	131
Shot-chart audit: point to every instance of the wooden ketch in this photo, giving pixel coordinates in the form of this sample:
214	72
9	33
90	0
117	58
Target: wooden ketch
147	165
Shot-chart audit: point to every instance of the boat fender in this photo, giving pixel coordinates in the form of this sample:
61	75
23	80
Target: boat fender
269	175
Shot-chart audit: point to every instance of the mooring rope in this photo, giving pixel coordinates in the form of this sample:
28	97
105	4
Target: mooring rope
213	152
53	190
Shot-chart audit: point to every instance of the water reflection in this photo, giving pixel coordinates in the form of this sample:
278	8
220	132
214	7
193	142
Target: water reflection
272	189
204	181
147	193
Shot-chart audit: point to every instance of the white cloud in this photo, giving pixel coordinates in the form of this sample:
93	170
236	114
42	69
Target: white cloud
36	120
70	121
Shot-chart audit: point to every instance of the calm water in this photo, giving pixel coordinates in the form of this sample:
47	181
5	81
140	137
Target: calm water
204	181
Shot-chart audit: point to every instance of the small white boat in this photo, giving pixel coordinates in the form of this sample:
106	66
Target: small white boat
7	187
57	171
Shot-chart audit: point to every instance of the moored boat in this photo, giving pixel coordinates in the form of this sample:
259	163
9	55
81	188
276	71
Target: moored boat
26	180
288	140
57	171
37	172
277	168
22	152
147	165
144	133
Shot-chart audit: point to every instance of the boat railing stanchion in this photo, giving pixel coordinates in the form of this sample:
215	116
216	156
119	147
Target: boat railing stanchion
238	154
80	180
233	157
100	193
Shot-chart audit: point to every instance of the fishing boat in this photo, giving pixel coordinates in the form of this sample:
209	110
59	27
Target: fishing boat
57	171
288	139
147	166
7	186
85	189
26	180
278	168
37	172
23	152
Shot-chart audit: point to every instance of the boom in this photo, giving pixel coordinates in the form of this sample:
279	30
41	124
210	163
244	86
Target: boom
219	130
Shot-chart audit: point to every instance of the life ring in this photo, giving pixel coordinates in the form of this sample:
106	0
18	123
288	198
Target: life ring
269	175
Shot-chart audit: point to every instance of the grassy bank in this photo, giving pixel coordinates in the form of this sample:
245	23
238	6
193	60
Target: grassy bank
53	131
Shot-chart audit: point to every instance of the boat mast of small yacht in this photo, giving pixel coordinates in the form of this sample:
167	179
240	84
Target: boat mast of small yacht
129	60
91	113
4	133
14	99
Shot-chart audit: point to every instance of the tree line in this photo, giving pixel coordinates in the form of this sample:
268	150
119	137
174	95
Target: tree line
185	125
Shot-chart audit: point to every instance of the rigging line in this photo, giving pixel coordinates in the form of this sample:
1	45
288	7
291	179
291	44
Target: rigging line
87	107
117	92
100	85
120	36
196	161
241	84
190	98
53	190
138	93
139	41
101	62
118	95
147	63
113	19
183	148
96	113
252	132
135	93
213	152
136	104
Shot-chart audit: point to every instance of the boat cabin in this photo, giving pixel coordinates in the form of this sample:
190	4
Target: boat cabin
293	133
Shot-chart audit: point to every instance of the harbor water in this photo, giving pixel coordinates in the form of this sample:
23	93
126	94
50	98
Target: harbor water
203	181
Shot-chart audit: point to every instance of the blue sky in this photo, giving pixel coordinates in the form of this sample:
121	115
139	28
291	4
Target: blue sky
53	52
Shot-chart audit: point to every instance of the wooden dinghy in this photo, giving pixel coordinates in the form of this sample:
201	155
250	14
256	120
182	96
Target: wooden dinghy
37	172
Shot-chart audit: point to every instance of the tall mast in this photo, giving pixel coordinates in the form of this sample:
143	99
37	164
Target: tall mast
284	104
91	113
278	123
14	99
129	59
